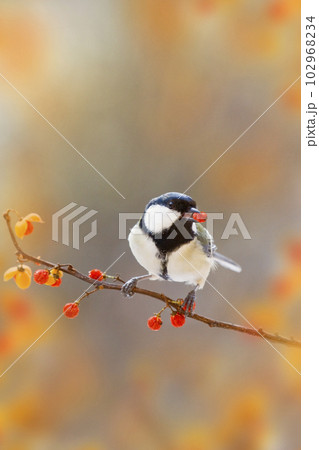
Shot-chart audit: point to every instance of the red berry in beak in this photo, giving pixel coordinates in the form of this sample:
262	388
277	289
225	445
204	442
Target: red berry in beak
200	217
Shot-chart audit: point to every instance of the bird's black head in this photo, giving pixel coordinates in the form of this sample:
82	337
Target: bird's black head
163	211
175	201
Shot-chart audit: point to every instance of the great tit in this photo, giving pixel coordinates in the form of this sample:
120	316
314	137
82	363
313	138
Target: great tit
171	245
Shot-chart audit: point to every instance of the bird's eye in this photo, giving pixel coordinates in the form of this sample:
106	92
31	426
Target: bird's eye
170	205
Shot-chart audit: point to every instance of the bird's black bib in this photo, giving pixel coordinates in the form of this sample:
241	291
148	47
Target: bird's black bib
170	240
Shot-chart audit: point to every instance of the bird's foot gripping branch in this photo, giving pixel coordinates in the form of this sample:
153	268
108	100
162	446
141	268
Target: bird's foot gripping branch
50	275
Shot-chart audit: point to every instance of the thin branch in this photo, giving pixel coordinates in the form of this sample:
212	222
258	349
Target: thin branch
174	304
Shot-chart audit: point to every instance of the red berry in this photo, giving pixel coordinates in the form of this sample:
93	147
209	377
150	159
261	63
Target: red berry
41	276
200	217
96	274
57	283
177	320
71	310
154	323
29	228
189	308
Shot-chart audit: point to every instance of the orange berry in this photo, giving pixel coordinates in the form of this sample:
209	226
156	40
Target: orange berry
24	226
56	272
71	310
57	283
96	274
154	323
51	280
29	228
41	276
177	320
21	275
20	228
23	279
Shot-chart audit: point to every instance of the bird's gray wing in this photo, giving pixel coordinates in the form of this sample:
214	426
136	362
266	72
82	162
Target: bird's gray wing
207	243
206	240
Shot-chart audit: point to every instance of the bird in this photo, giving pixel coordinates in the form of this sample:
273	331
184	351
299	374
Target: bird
170	242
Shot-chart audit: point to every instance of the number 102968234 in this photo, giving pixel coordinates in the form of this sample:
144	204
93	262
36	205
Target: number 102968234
310	51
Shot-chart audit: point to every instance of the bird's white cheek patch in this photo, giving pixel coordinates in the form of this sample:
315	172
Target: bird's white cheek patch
158	218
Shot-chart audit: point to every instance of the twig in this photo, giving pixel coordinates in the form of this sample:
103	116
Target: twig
173	304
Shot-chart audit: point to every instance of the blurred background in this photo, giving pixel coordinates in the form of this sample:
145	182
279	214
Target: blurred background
151	93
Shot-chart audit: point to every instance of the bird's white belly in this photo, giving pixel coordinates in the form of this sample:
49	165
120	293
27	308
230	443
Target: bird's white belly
189	264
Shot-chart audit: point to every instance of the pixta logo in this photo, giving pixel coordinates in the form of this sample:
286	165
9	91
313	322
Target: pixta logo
82	217
235	225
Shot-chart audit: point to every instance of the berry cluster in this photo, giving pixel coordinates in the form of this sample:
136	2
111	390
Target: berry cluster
51	277
177	319
22	273
155	322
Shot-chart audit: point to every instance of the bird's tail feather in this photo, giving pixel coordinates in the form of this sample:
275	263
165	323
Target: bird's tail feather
226	262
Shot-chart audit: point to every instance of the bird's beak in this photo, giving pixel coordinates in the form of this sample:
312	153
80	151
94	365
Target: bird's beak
195	215
189	214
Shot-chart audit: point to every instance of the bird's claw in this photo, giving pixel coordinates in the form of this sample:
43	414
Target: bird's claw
188	303
128	287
